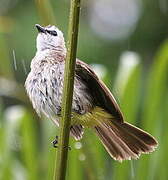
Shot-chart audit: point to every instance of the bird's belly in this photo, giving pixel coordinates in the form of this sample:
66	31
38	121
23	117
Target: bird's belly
45	92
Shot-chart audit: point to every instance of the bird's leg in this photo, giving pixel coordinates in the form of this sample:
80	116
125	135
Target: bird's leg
55	143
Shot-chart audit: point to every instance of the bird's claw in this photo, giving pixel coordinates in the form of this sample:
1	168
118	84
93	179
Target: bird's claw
55	142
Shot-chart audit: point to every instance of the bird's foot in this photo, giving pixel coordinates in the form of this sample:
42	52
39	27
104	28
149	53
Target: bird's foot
55	143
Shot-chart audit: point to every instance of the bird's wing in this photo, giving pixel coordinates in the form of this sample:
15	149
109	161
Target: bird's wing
101	94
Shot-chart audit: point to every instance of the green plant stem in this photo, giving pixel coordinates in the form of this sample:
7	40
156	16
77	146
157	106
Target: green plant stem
62	154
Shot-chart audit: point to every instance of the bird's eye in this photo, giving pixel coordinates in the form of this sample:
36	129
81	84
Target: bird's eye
54	33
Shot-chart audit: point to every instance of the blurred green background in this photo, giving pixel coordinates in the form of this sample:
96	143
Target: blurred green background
126	43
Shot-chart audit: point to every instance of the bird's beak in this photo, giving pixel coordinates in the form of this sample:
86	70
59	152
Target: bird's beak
40	28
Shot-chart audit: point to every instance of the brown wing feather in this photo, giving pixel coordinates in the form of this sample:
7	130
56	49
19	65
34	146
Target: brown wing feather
102	95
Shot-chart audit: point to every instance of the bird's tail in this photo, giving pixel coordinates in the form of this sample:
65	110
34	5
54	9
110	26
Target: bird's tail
124	141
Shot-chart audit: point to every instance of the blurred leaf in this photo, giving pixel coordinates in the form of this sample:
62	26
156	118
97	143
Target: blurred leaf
130	98
153	115
6	69
8	143
29	147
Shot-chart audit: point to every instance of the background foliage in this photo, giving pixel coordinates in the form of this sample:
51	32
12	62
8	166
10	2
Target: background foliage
128	47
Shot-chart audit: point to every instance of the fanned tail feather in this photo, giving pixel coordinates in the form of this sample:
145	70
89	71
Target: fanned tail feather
124	141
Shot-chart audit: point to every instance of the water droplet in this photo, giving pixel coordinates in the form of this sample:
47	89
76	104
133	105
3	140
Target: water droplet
82	157
78	145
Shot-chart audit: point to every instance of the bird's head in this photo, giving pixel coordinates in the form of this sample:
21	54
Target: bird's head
49	37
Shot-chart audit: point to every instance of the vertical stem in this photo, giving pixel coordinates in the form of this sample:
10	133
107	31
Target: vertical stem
62	154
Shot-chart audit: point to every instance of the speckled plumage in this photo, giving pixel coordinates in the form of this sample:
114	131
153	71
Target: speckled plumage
44	86
93	104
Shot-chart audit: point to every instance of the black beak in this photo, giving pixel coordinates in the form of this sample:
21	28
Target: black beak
40	28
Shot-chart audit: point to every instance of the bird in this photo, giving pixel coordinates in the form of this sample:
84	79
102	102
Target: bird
93	105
